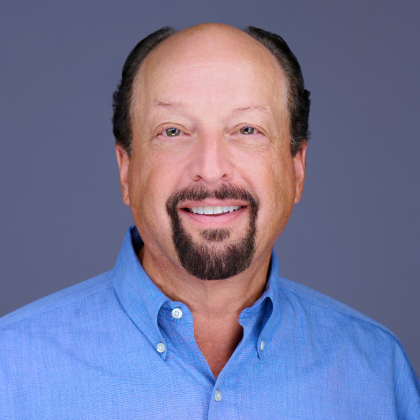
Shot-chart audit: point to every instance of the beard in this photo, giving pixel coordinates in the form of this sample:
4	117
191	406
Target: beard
208	261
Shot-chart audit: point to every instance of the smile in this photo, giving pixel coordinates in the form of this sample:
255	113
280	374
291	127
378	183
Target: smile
213	209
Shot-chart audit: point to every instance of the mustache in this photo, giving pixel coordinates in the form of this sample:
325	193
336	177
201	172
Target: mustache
201	192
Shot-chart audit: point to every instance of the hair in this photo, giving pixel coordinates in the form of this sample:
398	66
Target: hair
298	101
122	97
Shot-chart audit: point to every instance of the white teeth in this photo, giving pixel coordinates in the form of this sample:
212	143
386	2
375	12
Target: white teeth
214	209
217	210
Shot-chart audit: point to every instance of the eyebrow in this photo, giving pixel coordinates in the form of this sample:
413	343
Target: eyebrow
250	108
166	104
182	105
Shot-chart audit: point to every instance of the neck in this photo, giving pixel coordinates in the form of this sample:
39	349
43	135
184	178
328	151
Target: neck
211	299
215	304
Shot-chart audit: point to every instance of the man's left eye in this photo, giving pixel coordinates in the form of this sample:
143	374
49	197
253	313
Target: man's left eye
247	130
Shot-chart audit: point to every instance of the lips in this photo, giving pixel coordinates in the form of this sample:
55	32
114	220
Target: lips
211	208
208	210
214	217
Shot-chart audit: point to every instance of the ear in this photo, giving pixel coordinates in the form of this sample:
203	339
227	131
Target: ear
123	165
299	162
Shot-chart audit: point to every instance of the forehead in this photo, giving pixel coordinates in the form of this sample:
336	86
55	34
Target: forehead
215	65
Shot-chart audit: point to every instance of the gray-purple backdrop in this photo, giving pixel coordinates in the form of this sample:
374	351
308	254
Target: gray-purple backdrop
355	235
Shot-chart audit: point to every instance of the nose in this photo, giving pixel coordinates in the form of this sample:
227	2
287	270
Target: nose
211	161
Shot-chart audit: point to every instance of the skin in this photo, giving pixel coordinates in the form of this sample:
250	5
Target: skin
195	81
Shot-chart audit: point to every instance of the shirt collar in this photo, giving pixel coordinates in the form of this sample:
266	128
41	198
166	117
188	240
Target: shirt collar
139	296
142	299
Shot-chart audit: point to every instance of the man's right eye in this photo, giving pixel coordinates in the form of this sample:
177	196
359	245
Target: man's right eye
172	132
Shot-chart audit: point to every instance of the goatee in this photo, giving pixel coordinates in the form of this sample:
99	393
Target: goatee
209	262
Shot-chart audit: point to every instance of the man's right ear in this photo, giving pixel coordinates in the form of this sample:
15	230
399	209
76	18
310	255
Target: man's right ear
123	165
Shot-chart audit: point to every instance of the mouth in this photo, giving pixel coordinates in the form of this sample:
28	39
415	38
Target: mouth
213	216
212	210
227	207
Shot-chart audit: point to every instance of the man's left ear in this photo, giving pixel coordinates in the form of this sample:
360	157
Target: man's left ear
123	165
299	162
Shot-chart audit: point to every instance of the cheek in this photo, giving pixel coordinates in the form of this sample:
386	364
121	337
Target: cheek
152	179
284	196
274	182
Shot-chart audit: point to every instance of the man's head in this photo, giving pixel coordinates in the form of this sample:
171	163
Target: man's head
212	123
298	97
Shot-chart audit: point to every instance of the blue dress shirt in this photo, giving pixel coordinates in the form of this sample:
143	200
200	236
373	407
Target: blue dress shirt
115	347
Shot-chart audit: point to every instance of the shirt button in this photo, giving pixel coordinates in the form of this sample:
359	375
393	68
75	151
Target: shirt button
160	347
262	345
218	395
177	313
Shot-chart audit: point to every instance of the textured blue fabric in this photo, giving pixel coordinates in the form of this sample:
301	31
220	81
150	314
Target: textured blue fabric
89	352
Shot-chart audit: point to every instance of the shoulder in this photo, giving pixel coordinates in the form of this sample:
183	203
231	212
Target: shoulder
66	299
358	350
325	305
340	330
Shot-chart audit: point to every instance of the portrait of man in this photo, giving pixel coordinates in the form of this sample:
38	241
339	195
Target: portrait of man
195	321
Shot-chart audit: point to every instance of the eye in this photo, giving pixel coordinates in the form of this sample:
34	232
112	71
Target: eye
172	132
247	130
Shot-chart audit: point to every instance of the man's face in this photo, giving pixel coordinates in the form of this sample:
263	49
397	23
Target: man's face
211	181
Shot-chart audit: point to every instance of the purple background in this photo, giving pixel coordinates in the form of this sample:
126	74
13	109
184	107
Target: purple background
355	235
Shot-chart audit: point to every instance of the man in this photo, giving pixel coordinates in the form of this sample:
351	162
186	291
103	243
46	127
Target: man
194	322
